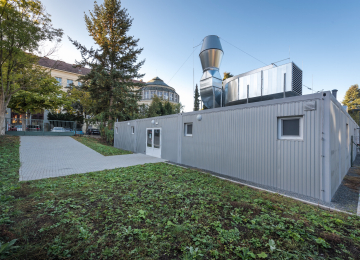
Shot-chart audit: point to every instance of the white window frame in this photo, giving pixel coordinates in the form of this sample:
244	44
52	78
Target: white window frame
185	130
132	130
290	137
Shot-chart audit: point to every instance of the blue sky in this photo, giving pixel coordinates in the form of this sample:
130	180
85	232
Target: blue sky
323	37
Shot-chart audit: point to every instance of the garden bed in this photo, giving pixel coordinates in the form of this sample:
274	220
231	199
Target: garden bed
100	146
161	211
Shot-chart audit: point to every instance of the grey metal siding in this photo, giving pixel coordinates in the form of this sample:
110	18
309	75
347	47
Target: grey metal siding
137	142
243	143
342	127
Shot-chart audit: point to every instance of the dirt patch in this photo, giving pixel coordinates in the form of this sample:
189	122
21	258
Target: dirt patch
5	233
331	237
24	191
352	182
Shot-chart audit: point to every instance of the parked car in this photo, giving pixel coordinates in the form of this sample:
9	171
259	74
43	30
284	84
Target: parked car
68	129
18	128
33	128
93	131
58	129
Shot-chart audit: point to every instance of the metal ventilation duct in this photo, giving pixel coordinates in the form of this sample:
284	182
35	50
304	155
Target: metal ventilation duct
211	82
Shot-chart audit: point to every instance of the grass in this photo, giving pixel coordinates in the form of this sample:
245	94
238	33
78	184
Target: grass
161	211
100	146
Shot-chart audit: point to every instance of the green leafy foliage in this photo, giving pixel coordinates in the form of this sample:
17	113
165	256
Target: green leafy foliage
161	211
100	147
113	65
159	107
24	24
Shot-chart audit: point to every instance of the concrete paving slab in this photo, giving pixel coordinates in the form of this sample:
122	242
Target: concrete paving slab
53	156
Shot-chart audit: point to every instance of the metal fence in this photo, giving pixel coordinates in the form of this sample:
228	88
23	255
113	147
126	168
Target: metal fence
28	126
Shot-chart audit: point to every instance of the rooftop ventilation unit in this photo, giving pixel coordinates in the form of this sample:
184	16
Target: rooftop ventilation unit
265	83
211	82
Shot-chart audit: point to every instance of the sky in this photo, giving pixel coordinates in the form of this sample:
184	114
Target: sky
321	37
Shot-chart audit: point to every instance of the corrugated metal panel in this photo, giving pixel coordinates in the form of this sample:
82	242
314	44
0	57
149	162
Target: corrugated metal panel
341	130
136	142
123	138
243	143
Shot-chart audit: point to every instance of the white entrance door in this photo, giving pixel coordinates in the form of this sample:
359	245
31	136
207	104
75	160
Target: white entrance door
153	142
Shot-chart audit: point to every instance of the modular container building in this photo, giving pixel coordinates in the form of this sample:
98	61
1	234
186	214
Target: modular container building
300	144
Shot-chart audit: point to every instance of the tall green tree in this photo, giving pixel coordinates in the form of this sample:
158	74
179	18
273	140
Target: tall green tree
352	101
352	97
24	24
38	91
113	65
196	99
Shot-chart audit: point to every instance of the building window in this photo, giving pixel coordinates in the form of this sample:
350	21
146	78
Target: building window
79	84
166	95
133	130
58	80
290	128
171	96
153	93
188	129
160	94
69	82
146	94
176	98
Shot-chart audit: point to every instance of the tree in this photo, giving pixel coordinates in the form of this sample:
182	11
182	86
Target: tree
197	99
38	91
168	108
352	97
352	101
227	75
24	24
81	102
113	65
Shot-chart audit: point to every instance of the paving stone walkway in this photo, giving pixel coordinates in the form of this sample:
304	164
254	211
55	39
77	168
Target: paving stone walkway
53	156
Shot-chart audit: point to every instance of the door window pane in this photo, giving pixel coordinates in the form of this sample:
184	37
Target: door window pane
156	138
149	138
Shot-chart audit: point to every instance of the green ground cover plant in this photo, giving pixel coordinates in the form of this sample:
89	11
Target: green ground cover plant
161	211
100	146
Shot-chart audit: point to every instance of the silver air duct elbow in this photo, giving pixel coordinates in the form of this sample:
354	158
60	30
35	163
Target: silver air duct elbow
211	82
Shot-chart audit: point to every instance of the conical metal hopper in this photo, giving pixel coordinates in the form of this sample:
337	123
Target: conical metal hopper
211	82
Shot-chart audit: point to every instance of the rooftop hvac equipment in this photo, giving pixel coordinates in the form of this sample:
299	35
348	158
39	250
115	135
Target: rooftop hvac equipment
265	83
211	82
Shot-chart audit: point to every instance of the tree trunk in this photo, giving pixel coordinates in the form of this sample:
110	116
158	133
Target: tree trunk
110	117
23	122
3	106
2	120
